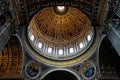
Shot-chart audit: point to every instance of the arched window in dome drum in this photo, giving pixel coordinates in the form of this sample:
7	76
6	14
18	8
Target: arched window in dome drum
81	45
49	50
71	50
32	37
60	52
40	45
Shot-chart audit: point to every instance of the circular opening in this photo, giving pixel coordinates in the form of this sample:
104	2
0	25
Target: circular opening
32	70
61	10
58	40
88	70
60	75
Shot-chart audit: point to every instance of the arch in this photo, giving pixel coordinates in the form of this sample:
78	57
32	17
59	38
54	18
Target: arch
11	59
71	73
108	60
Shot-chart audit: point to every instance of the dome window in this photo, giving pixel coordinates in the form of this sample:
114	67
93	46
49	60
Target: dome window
81	45
49	50
32	38
60	52
71	50
40	45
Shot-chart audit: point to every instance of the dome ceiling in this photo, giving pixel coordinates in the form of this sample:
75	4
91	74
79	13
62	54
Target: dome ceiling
58	32
60	28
